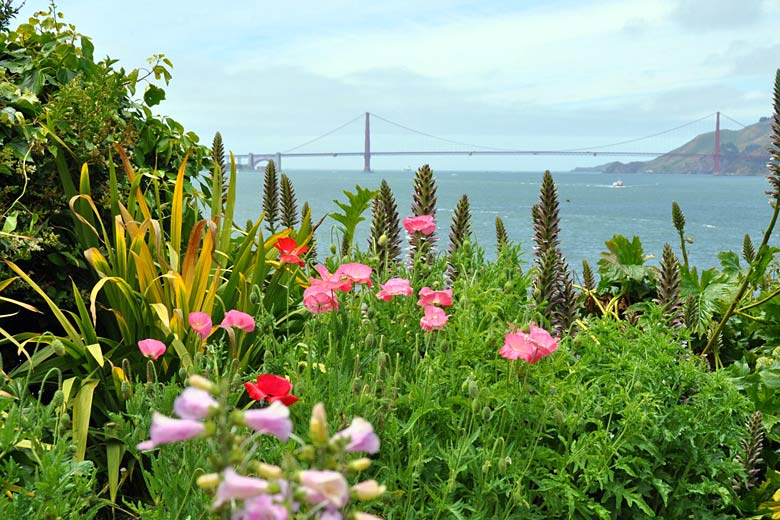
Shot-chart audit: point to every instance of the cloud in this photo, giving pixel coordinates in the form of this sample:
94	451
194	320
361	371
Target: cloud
706	15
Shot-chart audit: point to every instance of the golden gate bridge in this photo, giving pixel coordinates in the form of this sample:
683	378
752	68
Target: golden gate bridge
253	160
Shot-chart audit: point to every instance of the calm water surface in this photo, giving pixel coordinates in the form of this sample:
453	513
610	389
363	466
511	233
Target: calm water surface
718	210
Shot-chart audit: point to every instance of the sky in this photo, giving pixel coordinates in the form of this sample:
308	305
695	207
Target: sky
522	74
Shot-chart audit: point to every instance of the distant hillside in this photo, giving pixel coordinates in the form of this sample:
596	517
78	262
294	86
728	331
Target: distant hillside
743	152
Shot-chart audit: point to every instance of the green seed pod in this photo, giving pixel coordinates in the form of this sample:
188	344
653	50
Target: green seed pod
57	399
126	370
473	389
124	388
487	413
58	347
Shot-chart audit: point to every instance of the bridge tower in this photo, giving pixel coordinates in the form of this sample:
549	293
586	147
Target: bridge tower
367	147
716	161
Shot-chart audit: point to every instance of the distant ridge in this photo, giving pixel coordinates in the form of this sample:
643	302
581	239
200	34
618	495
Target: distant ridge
743	152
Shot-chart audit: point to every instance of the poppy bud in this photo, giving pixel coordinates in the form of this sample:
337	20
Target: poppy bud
382	240
58	399
487	413
65	421
183	374
485	467
475	407
126	369
370	340
473	389
58	347
124	389
332	248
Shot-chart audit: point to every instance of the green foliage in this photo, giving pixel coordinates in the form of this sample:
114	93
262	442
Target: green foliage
352	215
62	108
619	422
40	478
623	272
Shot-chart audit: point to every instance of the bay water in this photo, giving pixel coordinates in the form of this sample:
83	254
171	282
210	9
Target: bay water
719	210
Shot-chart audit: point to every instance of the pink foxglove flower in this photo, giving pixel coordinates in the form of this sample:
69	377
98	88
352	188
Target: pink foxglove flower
430	297
329	487
194	403
238	319
200	323
235	486
165	430
361	436
151	348
433	318
420	224
355	273
262	507
531	347
318	299
274	420
394	287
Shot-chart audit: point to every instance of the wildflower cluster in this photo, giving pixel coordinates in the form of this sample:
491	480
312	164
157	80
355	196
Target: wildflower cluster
202	325
320	296
310	483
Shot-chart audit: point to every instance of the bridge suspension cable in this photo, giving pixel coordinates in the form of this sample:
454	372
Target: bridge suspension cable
436	136
640	138
732	120
326	134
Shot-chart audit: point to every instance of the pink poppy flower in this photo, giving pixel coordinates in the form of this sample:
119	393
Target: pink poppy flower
430	297
434	318
235	486
394	287
271	388
325	486
360	435
531	347
420	224
194	403
355	273
318	299
238	319
274	420
152	348
165	430
200	323
333	282
290	251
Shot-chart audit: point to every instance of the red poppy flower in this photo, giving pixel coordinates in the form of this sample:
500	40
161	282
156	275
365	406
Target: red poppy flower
290	251
271	388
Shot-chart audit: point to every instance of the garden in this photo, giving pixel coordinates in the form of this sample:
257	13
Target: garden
162	360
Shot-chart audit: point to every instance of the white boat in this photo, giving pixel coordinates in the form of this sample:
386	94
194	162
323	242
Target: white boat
617	184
